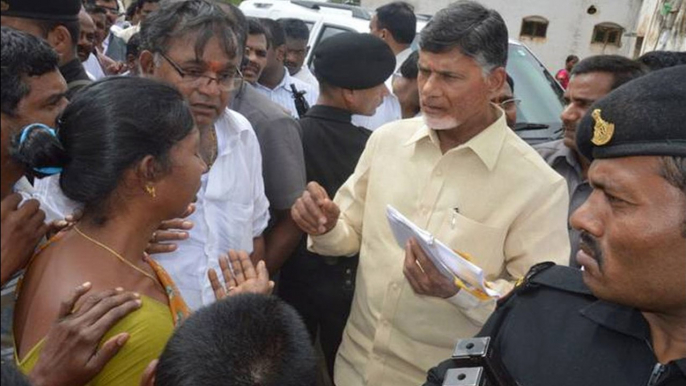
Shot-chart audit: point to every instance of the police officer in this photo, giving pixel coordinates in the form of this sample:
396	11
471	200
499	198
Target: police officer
56	21
351	69
622	320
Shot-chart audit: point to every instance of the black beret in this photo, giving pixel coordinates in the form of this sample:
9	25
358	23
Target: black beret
58	10
644	117
353	61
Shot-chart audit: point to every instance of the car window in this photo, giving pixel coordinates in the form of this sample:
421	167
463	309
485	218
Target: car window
327	31
541	97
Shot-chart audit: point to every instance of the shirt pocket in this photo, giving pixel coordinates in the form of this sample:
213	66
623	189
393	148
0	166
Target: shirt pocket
484	243
233	226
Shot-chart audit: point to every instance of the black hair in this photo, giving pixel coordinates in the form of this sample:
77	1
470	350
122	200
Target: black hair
11	376
92	9
275	33
510	82
295	29
409	69
174	20
571	58
399	19
255	27
93	3
240	22
133	46
622	69
73	26
657	60
673	169
245	340
102	133
23	55
132	9
478	32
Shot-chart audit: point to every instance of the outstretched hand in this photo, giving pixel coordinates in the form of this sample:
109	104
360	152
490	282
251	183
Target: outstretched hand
314	212
240	276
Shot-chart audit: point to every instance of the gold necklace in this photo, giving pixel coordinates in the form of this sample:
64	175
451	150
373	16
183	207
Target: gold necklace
118	256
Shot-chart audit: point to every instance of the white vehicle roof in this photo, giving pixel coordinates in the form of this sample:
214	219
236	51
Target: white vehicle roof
311	12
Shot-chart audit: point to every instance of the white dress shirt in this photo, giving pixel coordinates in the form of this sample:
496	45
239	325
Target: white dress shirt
282	94
231	209
306	76
93	67
389	111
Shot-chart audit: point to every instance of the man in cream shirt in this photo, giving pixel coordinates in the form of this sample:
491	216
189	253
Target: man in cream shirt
460	173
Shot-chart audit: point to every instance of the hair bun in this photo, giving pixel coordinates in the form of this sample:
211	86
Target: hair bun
39	149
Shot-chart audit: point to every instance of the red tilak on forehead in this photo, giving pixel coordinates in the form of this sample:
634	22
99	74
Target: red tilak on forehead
214	66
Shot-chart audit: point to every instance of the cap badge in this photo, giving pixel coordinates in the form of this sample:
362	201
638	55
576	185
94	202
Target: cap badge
603	130
4	6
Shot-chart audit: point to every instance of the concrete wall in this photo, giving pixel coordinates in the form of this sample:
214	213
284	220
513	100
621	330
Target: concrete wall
570	27
661	30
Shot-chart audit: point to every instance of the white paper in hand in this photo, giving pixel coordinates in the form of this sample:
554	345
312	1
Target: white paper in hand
449	263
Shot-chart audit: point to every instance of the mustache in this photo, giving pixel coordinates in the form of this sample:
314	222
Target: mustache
591	244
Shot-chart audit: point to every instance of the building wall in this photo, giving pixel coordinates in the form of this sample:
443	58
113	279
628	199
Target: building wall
570	27
658	29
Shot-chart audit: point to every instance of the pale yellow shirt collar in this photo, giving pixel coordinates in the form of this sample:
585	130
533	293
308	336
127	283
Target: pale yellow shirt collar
486	145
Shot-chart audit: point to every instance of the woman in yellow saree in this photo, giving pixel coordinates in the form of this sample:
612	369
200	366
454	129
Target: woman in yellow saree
127	150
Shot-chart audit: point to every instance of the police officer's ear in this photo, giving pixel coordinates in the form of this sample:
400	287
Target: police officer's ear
146	59
495	80
60	39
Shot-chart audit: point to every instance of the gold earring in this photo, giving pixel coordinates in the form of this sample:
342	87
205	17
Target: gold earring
151	190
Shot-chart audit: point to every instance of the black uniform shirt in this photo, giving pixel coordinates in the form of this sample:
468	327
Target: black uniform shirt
332	146
552	331
75	76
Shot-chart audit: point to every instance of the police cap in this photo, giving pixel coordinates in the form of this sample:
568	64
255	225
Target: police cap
353	61
644	117
58	10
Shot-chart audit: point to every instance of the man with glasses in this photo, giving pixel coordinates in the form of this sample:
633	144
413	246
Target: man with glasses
506	100
231	210
591	79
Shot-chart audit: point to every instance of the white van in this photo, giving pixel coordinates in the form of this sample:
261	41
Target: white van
538	114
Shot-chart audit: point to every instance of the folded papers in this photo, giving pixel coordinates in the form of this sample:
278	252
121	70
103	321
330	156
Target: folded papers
450	263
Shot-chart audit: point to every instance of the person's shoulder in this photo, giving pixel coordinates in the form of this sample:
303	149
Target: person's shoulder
301	84
400	130
550	150
257	107
548	283
526	160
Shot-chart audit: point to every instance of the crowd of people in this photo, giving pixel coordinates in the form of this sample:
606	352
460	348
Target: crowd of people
186	202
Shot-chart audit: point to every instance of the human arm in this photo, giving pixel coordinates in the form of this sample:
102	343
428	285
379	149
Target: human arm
70	354
258	249
21	230
284	181
281	240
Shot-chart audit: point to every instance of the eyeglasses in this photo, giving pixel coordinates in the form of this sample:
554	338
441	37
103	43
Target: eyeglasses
509	103
226	82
